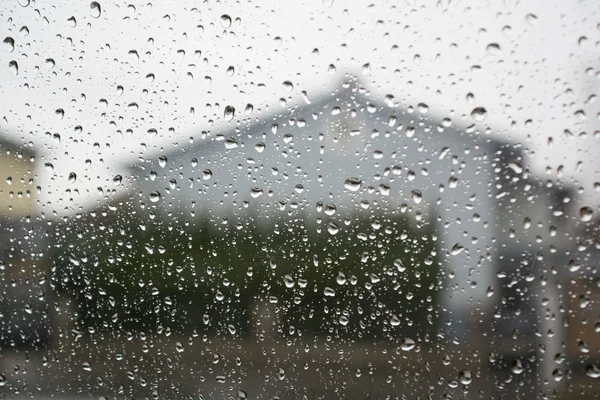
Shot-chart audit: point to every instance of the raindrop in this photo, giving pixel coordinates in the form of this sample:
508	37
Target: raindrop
9	44
352	184
586	213
591	370
72	177
162	161
24	3
206	174
479	114
154	197
225	21
95	9
465	377
256	192
517	367
329	292
288	86
229	113
416	196
407	344
332	228
117	179
72	22
493	48
13	67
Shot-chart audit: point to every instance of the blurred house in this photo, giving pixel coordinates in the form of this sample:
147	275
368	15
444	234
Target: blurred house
23	298
500	231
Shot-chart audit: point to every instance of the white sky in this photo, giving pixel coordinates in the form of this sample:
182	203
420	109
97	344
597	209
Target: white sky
419	51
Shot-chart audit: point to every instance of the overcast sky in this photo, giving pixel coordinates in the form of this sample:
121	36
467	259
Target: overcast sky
532	64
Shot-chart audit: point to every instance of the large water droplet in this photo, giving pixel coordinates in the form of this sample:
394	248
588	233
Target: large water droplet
229	113
586	213
288	86
352	184
479	114
95	9
155	197
13	67
9	44
225	21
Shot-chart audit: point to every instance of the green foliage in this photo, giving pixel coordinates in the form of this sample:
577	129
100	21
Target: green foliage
131	270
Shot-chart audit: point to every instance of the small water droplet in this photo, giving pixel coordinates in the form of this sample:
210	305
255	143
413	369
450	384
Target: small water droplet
72	177
117	179
329	292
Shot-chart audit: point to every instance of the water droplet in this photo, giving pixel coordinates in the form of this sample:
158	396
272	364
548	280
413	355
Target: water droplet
416	196
229	113
9	44
72	177
493	48
457	249
289	281
592	371
24	3
242	395
225	21
281	374
407	344
155	197
72	22
256	192
95	9
517	367
162	161
329	292
352	184
206	174
341	278
479	114
586	213
574	265
288	86
332	228
231	143
117	179
515	166
465	377
13	67
423	108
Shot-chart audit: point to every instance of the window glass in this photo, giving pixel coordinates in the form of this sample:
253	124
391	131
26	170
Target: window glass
299	200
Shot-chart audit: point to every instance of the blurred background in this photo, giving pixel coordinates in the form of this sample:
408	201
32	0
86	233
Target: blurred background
316	200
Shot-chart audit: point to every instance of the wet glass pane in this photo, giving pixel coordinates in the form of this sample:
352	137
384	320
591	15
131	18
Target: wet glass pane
299	200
